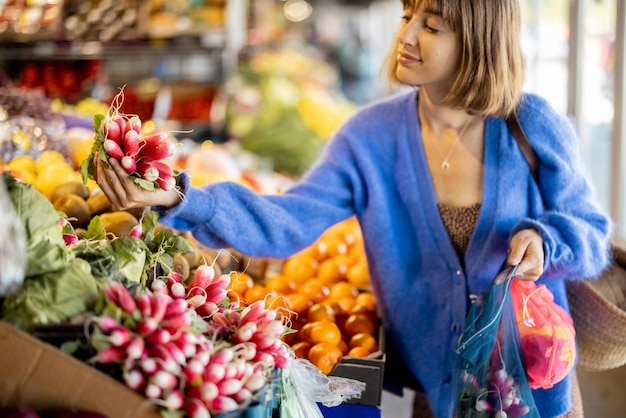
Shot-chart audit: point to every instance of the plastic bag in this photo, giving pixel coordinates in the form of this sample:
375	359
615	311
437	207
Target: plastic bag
489	376
547	333
304	385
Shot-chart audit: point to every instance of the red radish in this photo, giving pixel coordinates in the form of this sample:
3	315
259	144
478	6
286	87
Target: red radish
216	295
220	319
70	239
202	277
129	163
160	336
244	395
223	356
156	147
154	139
152	391
223	404
159	304
207	310
136	231
177	290
109	355
164	380
196	301
136	348
131	143
165	358
214	373
229	387
193	372
133	123
149	366
254	382
147	171
274	329
159	286
167	184
126	300
120	337
177	322
174	276
244	333
175	308
195	409
106	323
173	401
165	171
144	303
147	326
112	131
176	352
265	358
208	392
134	379
234	317
246	351
253	312
119	119
113	149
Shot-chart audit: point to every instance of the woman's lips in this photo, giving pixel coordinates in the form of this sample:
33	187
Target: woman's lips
407	59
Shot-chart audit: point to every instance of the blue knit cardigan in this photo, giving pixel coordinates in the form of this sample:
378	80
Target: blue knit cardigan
375	167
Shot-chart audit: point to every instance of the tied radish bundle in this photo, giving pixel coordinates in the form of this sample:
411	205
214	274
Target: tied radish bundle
120	136
188	348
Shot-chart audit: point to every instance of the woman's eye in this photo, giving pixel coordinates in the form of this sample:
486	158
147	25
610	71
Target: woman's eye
405	18
431	29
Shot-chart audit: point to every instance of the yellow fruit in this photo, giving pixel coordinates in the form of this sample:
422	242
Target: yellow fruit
49	158
23	163
52	177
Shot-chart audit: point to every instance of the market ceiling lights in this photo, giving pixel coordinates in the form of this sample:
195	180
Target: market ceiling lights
297	10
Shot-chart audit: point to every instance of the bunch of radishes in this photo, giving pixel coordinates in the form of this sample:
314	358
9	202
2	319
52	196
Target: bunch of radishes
139	155
187	348
142	155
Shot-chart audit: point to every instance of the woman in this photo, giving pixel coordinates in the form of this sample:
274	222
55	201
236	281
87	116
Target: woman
440	188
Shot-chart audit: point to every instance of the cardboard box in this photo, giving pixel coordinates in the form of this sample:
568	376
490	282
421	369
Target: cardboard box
38	375
370	370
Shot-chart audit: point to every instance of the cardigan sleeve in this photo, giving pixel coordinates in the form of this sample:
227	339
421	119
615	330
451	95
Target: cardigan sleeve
574	229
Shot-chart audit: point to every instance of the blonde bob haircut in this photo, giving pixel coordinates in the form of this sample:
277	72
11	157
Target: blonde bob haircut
492	69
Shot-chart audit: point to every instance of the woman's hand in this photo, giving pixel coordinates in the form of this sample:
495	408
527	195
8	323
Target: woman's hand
124	193
527	251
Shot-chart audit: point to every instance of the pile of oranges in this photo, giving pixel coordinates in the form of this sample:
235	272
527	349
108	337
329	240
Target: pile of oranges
325	291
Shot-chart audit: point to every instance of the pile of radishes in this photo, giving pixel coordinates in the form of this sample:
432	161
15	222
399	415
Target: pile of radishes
187	347
142	154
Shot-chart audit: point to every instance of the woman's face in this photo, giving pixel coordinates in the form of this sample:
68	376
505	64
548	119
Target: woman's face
429	51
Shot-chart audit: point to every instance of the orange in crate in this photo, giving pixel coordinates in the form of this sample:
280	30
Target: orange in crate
364	340
300	267
321	312
360	322
324	331
358	352
325	356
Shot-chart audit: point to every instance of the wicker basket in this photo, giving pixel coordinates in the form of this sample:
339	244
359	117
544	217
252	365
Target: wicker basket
598	308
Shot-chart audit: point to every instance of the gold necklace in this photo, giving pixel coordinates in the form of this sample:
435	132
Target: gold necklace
445	164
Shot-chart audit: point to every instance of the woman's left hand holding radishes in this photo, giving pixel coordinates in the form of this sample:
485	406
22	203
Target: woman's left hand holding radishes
121	189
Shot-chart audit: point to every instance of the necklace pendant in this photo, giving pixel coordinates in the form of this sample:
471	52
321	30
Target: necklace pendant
445	165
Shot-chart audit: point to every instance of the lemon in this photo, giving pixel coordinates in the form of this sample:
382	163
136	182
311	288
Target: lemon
23	164
52	177
49	158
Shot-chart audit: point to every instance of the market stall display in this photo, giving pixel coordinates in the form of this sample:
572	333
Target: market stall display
190	337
